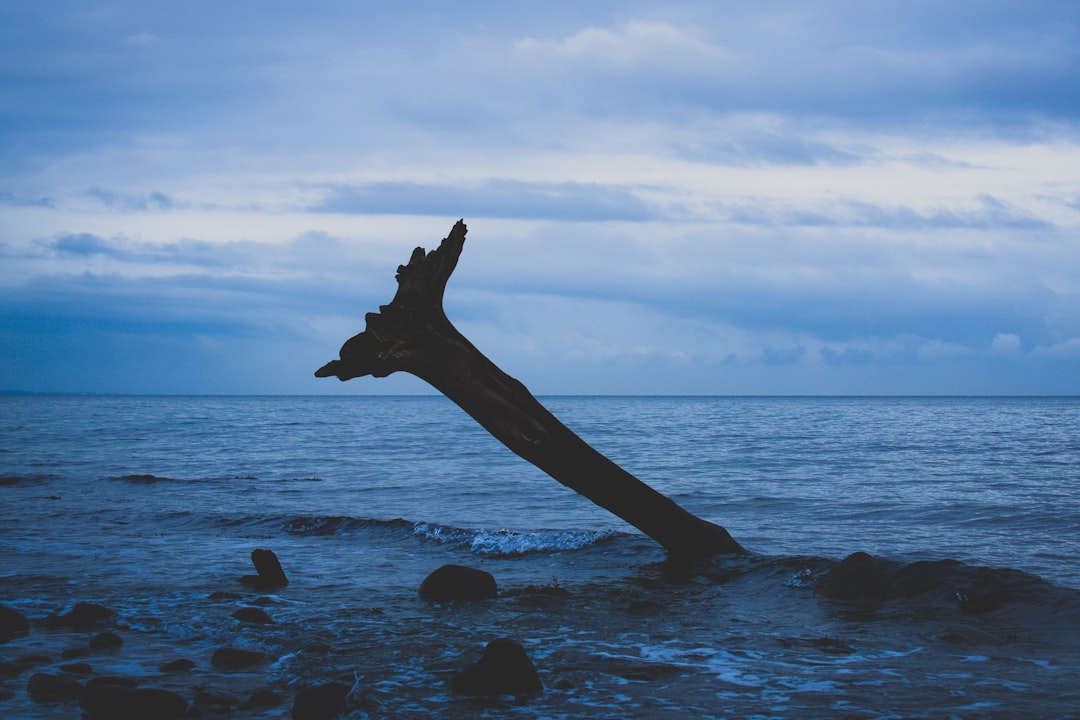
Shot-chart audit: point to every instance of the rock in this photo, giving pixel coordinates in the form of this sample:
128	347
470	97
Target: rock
9	669
269	568
48	688
33	660
230	658
106	641
320	702
966	635
253	615
83	616
181	665
858	578
264	698
119	699
504	669
74	653
216	701
13	624
77	668
458	583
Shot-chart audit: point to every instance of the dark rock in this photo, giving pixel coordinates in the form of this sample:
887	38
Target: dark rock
504	669
965	635
229	658
34	660
216	700
458	583
48	688
77	668
6	694
320	702
83	616
74	653
9	669
13	624
645	607
119	699
106	641
224	595
181	665
263	699
269	568
858	578
253	615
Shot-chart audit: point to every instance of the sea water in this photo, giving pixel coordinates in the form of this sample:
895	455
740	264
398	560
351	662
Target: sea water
152	505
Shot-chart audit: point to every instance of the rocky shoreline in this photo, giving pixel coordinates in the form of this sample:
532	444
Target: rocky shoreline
973	611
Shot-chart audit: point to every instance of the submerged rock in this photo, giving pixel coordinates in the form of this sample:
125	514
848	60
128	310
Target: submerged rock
230	658
13	624
83	616
118	698
49	688
859	578
320	702
504	669
106	641
270	575
452	583
173	666
254	615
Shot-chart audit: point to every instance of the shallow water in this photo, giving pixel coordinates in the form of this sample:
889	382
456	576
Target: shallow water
151	506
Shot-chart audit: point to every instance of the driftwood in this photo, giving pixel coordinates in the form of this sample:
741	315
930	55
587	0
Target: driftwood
412	334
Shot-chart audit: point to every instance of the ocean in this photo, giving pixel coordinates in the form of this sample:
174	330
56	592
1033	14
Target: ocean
151	506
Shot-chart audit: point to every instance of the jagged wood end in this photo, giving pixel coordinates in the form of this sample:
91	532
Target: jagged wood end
421	285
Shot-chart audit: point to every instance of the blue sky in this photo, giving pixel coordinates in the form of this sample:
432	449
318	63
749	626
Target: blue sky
684	197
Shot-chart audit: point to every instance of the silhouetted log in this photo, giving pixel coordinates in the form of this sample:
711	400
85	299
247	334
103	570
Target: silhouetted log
412	334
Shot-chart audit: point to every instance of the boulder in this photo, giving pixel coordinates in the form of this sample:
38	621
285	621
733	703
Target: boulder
504	669
320	702
258	616
49	688
111	698
270	575
457	583
181	665
106	641
13	624
230	658
83	616
858	578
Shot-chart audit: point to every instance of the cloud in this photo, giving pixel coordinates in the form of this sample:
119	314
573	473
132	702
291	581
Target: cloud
491	198
127	201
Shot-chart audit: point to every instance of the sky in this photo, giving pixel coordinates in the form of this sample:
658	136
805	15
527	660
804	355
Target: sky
840	197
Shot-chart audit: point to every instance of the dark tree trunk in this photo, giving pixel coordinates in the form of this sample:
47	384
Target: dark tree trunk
412	334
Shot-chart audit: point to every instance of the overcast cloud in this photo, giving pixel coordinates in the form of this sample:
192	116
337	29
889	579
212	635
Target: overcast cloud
693	197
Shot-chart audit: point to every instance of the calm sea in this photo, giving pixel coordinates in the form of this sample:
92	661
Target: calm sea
151	505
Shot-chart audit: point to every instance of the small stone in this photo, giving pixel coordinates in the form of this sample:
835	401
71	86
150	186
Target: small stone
83	616
13	624
181	665
74	653
229	658
49	688
77	668
452	583
9	669
106	641
254	615
504	669
320	702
